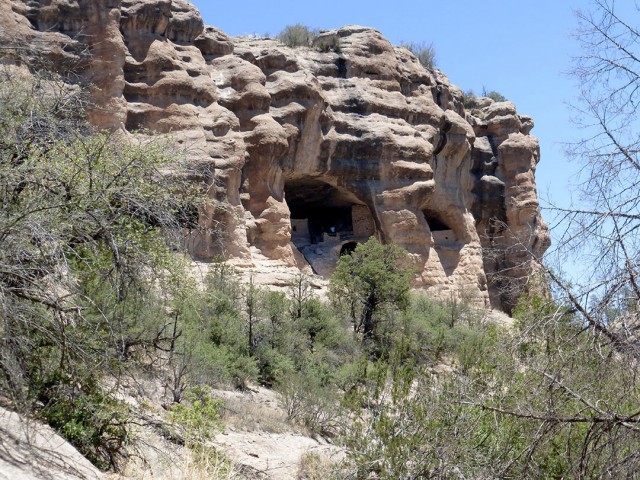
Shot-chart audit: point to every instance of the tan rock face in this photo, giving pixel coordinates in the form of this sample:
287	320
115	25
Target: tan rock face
344	140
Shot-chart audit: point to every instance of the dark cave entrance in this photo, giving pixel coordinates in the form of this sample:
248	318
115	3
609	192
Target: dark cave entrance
321	212
440	230
435	224
319	222
323	218
348	248
445	241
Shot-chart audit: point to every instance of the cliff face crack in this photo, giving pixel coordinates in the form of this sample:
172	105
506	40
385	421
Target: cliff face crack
492	142
341	65
442	140
438	97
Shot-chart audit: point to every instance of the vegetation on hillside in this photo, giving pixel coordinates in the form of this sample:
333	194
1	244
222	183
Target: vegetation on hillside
298	35
424	52
86	225
94	294
470	99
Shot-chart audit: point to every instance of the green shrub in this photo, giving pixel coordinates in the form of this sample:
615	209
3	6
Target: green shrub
298	35
210	364
245	371
223	278
198	416
310	404
493	95
89	419
273	365
213	339
424	52
469	99
197	421
329	44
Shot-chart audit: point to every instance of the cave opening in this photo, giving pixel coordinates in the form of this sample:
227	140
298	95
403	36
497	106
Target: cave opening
319	211
441	232
436	224
323	218
348	248
445	241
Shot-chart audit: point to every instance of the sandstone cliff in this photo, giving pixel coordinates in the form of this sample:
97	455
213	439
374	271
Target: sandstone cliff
309	150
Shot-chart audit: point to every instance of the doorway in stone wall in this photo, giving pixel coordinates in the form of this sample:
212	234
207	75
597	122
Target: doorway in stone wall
348	248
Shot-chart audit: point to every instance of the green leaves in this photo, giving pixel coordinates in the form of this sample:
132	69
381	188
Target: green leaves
199	415
371	278
424	52
88	222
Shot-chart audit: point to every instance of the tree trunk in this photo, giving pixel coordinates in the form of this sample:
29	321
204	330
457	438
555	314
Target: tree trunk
367	317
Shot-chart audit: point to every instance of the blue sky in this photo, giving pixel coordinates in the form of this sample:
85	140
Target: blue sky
520	49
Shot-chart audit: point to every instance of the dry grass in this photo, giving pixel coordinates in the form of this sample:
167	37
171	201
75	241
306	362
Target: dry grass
315	467
244	413
211	465
183	464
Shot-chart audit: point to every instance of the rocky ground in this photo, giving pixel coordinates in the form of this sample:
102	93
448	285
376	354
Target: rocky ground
30	450
257	438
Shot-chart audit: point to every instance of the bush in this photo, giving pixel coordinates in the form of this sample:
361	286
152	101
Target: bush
469	99
273	365
424	52
298	35
310	404
493	95
198	416
328	44
245	371
312	466
90	420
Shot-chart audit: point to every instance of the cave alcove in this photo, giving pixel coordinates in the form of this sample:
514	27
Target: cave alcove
445	241
323	218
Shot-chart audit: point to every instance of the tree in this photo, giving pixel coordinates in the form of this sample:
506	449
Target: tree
87	225
372	277
601	235
300	292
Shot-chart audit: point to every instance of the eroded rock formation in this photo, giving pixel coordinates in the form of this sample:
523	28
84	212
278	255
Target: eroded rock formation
325	145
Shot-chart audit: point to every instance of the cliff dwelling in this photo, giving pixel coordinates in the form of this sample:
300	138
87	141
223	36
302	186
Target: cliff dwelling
445	241
326	221
303	145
